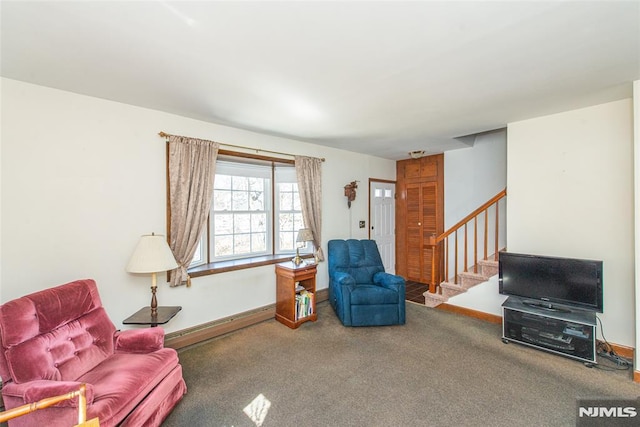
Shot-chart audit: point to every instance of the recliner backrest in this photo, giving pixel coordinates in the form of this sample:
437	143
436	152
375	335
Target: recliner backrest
55	334
358	258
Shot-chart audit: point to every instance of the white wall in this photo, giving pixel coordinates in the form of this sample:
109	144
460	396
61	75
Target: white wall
82	178
473	175
570	184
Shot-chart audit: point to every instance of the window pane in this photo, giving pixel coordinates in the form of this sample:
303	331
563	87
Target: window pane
286	187
242	244
286	201
242	223
256	201
222	200
258	242
223	224
286	222
256	184
259	222
240	183
223	246
222	182
240	201
287	241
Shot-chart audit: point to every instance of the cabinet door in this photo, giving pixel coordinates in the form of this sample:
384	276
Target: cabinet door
421	223
414	259
419	215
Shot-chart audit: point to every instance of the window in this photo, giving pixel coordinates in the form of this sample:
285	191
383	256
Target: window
255	211
240	211
289	214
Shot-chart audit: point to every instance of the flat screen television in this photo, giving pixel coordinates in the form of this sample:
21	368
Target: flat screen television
550	282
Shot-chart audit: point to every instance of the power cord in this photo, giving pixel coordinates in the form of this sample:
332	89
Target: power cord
606	351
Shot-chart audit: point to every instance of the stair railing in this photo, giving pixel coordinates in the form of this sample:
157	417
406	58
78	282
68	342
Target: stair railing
441	244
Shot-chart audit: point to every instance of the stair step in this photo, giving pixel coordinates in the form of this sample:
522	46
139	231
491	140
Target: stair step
452	289
469	279
434	300
488	268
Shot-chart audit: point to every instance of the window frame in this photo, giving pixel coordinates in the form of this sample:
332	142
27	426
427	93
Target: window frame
211	266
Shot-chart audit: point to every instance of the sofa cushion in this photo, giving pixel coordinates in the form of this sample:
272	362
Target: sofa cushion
123	380
65	353
373	294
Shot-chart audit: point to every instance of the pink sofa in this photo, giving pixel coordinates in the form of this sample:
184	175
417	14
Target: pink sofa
56	339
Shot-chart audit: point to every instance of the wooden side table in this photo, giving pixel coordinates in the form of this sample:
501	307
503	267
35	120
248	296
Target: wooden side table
288	277
144	317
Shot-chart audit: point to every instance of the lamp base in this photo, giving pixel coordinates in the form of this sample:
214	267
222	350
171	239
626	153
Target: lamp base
154	302
296	259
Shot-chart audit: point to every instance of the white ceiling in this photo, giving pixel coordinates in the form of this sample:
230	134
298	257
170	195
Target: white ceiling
383	78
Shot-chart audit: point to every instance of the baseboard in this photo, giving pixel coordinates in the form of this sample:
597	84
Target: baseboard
488	317
620	350
206	331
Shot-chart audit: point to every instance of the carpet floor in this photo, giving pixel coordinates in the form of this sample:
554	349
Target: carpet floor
440	369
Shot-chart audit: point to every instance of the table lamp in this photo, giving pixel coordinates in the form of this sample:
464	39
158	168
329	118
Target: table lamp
304	235
152	255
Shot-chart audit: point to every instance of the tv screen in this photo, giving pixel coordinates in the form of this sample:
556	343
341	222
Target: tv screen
552	280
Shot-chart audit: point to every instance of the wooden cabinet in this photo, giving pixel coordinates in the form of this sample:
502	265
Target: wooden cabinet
295	293
419	215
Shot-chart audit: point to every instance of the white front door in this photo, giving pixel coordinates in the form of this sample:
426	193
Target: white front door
383	221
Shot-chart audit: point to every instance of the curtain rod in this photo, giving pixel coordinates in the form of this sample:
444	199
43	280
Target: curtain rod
166	135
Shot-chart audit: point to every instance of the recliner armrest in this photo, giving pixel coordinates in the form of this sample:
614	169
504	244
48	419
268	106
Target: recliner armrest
33	391
388	280
138	340
343	279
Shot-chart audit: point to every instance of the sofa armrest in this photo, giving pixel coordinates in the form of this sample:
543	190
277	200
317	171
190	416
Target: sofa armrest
138	340
391	281
34	391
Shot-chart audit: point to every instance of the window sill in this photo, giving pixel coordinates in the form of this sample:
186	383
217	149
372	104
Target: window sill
240	264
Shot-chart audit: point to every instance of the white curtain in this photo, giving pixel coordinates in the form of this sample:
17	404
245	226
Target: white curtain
192	169
309	175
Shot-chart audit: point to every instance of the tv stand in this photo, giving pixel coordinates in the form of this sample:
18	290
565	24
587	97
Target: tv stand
570	333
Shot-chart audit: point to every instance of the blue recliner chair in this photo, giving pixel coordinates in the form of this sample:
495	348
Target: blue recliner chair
360	292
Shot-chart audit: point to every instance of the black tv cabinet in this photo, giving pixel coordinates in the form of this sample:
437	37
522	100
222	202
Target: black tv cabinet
565	331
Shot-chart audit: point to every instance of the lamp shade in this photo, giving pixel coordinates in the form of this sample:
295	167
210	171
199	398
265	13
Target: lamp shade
152	255
304	235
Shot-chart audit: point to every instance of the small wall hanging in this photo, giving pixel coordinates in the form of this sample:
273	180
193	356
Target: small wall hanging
350	192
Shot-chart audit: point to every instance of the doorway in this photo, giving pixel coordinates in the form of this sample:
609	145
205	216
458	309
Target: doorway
382	220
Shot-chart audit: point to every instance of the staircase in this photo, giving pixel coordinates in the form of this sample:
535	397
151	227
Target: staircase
451	253
466	280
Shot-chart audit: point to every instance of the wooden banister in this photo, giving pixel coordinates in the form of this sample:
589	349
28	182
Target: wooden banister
473	214
50	401
441	242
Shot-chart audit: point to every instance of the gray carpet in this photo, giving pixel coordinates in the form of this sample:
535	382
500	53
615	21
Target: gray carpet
440	369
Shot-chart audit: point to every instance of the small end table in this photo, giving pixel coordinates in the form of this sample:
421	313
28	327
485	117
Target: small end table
291	279
144	317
